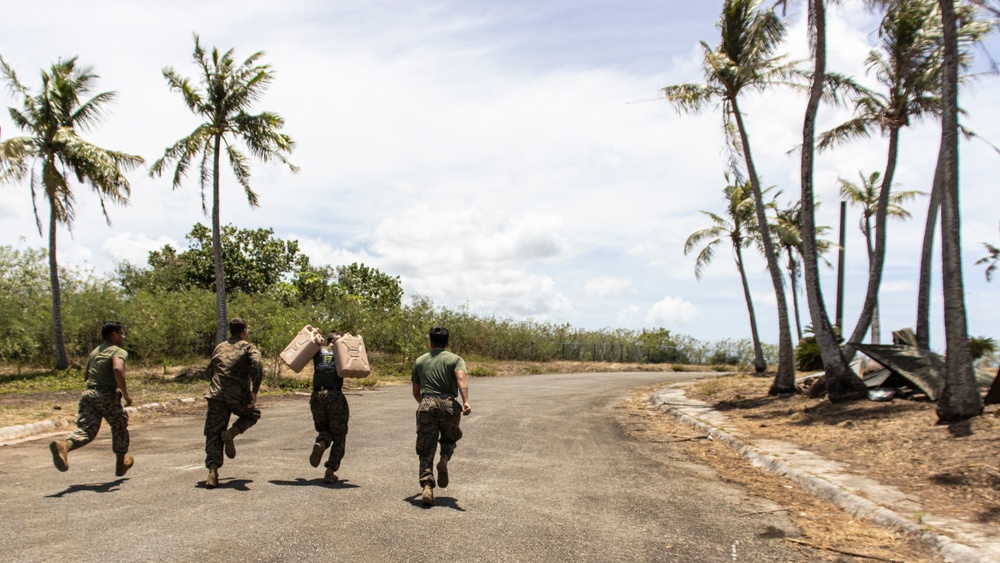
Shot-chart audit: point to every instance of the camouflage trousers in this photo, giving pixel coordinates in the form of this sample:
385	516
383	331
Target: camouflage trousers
95	405
217	421
330	415
437	420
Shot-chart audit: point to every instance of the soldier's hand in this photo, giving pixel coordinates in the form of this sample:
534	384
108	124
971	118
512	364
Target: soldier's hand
466	408
253	400
128	399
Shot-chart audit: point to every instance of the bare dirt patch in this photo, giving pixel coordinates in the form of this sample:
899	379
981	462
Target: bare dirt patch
953	471
829	533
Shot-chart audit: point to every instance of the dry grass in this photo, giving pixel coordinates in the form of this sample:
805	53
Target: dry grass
953	470
833	534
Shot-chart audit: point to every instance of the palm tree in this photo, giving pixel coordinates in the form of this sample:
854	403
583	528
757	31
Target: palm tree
960	397
908	64
53	150
867	195
971	31
736	226
227	92
991	259
841	382
745	60
787	225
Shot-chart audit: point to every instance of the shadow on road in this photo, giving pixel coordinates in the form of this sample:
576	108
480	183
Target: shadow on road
300	482
108	487
230	483
444	502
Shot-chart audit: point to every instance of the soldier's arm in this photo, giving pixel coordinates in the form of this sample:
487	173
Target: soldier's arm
256	370
416	392
256	374
463	389
118	369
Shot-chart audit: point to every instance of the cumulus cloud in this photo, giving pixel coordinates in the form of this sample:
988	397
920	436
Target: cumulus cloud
672	311
608	287
134	248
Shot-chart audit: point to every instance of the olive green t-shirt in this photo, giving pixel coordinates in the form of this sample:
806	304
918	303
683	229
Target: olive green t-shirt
435	372
325	370
100	370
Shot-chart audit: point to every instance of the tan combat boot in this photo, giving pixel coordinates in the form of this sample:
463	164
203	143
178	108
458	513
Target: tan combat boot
442	467
213	477
330	476
60	454
317	454
427	499
123	464
227	439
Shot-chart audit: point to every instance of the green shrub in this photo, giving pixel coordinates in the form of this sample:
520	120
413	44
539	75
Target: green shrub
807	355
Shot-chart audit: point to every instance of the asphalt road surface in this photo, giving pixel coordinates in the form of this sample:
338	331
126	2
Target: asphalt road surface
544	472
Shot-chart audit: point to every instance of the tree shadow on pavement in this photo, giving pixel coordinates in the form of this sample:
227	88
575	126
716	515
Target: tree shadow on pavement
109	487
318	482
444	502
229	483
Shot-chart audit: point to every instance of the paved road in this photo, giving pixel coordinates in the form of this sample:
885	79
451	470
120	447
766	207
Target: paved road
544	473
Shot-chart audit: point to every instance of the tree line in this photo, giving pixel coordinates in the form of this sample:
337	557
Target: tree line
167	308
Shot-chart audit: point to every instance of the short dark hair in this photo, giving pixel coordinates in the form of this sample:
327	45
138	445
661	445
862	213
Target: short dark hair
237	326
439	336
333	335
111	327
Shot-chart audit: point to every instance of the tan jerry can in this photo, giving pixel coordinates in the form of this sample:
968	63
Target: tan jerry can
350	357
302	348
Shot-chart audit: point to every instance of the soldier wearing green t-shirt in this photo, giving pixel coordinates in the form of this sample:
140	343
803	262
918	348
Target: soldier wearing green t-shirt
438	378
105	376
329	410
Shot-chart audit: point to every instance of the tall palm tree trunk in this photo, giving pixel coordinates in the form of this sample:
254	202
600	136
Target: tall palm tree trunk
221	321
62	362
926	256
876	329
960	397
841	382
876	257
759	365
784	380
794	285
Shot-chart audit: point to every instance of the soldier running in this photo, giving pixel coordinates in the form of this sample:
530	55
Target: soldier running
236	375
105	376
329	408
438	377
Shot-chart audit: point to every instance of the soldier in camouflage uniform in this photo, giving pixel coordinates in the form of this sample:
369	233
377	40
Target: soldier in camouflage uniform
438	378
329	410
236	373
105	375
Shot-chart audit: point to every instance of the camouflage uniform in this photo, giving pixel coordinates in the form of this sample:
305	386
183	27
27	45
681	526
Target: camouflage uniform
236	372
439	414
436	416
329	407
101	400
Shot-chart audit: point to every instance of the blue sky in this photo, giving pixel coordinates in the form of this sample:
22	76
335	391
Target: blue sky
512	157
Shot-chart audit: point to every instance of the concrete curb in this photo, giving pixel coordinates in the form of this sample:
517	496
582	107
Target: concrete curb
853	504
21	431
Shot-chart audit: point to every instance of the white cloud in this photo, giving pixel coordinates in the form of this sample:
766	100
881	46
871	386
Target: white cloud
672	311
899	287
600	288
134	248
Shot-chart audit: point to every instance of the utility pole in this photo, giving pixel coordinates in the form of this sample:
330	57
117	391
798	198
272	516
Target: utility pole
840	266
